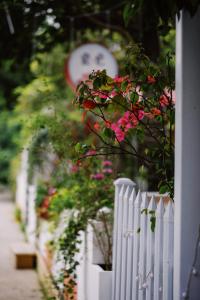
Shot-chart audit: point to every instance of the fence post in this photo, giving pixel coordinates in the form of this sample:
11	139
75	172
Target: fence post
137	213
168	249
150	250
142	251
121	186
158	265
129	237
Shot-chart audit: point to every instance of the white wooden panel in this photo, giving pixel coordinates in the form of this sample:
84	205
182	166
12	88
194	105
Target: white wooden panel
129	236
158	265
143	249
136	243
119	245
168	251
150	252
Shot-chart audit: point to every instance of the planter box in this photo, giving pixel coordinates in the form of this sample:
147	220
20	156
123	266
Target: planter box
99	283
24	256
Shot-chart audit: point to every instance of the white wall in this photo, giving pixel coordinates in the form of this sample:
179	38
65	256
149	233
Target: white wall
22	185
187	154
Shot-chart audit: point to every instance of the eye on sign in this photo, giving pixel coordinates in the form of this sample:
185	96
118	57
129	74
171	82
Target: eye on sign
87	58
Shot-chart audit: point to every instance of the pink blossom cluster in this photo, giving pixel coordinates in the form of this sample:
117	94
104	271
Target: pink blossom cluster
127	121
107	167
97	176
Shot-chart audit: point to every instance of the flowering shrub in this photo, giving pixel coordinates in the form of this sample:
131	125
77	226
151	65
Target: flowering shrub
141	107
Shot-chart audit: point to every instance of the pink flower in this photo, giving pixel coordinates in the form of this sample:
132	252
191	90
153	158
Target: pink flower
74	169
120	79
113	94
120	135
107	170
52	191
140	114
91	152
106	163
164	101
97	176
100	94
171	94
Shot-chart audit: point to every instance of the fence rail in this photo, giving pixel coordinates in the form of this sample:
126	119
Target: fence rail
142	257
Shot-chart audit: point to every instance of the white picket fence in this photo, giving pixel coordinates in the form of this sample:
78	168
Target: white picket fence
142	258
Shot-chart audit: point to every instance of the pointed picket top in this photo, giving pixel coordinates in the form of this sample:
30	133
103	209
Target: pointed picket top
122	191
160	208
138	199
124	181
152	203
144	203
126	193
169	212
132	196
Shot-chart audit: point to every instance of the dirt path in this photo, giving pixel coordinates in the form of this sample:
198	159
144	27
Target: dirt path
14	284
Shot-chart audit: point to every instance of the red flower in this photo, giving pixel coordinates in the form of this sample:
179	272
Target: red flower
155	111
151	79
89	104
120	79
97	126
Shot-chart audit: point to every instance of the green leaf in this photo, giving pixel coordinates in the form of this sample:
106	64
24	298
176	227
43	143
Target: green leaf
163	189
144	211
108	132
78	148
153	223
124	85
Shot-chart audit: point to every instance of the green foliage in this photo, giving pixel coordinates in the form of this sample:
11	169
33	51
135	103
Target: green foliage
8	149
76	188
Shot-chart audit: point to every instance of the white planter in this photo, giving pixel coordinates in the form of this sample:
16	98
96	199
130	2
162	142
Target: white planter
98	284
93	282
45	236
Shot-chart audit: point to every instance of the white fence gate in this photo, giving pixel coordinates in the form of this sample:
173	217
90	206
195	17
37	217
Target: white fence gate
142	258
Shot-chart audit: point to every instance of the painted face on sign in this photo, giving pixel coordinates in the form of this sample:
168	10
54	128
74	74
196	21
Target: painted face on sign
88	58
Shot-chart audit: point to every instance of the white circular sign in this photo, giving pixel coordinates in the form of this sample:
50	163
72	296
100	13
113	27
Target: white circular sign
87	58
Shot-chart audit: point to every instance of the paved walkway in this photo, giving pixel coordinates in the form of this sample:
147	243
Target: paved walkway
14	284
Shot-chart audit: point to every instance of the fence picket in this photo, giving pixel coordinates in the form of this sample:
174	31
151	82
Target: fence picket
121	185
158	265
115	239
136	225
119	245
124	242
142	250
168	252
129	236
150	251
142	269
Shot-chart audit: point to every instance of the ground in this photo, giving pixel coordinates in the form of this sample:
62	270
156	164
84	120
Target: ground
14	284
